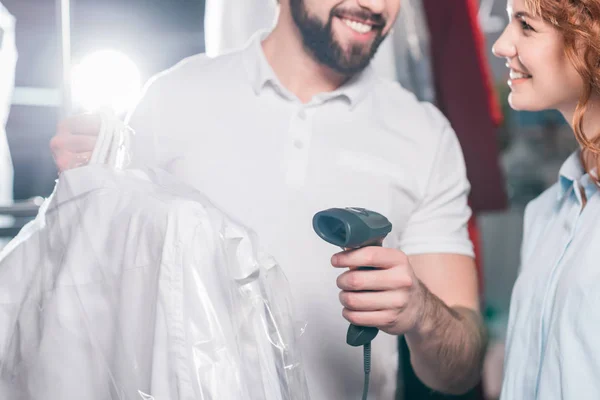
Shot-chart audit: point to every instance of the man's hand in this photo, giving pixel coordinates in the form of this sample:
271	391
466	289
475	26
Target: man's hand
74	142
390	298
431	298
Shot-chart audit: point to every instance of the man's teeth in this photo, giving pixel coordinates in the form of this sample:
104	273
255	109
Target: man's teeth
358	26
518	75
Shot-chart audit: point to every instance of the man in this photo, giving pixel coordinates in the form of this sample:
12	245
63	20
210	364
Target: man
297	122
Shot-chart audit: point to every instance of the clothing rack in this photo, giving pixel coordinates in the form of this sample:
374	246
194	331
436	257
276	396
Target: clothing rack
22	212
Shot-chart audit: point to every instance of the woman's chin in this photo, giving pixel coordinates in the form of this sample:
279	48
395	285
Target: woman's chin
518	103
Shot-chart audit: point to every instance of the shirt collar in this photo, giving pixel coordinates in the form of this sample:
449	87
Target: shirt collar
573	171
76	182
261	75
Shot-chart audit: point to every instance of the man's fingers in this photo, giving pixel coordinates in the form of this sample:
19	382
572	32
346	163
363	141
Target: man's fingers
83	124
374	301
75	139
379	257
72	143
382	319
81	159
375	280
66	160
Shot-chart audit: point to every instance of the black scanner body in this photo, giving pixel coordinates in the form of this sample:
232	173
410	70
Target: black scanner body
353	228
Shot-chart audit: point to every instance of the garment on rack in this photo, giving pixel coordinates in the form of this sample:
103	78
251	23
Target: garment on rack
405	54
415	71
129	285
465	94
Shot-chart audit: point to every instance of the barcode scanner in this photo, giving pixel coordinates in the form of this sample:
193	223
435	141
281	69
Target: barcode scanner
354	228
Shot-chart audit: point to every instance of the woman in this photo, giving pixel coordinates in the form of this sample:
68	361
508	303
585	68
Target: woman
552	48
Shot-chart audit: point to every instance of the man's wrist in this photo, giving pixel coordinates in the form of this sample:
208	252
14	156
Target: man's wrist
424	323
433	313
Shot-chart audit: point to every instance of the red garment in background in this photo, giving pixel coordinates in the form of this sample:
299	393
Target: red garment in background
465	94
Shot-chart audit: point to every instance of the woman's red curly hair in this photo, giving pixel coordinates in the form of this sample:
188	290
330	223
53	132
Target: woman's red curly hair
579	23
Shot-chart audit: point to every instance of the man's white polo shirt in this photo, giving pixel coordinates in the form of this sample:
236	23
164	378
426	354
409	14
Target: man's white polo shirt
227	127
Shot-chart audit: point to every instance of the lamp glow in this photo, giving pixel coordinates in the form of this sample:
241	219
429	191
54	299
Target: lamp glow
106	79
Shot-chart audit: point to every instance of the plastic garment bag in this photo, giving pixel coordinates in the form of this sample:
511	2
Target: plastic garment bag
129	285
404	56
411	47
229	24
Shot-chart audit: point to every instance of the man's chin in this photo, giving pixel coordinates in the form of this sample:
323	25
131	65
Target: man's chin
350	45
350	68
355	56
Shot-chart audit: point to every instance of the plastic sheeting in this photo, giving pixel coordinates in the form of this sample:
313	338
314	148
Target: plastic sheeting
411	49
129	285
229	24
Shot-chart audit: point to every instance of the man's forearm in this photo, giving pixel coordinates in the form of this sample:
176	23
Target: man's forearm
447	346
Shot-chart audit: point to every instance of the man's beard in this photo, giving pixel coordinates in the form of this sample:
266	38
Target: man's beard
319	40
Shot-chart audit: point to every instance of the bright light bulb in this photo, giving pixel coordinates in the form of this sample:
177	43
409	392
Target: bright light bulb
106	79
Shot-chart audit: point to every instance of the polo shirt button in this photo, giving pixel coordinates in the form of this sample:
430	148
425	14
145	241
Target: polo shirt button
298	144
302	114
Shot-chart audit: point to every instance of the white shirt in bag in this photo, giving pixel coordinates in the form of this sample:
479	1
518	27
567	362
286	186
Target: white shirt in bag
130	286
